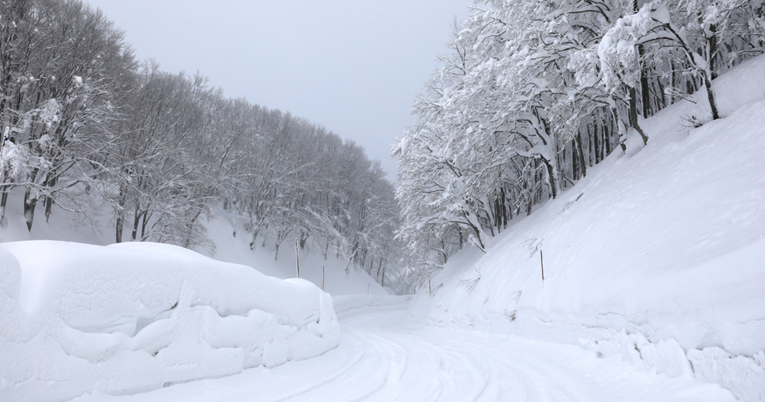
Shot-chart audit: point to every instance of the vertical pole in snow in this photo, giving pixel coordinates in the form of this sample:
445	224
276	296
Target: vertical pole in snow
322	277
430	289
542	261
297	258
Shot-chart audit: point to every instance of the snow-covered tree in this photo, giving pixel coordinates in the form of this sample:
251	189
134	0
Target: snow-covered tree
63	65
532	93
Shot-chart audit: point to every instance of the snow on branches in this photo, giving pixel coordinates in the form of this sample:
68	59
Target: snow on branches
533	93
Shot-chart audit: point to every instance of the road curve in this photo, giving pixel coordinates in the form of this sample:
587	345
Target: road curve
383	356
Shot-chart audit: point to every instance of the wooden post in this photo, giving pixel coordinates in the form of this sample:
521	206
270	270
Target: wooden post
322	277
542	261
383	278
297	258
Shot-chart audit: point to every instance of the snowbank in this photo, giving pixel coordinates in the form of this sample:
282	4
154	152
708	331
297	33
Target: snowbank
77	318
657	257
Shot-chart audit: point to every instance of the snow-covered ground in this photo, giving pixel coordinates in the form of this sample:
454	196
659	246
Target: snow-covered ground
132	317
383	356
658	256
339	279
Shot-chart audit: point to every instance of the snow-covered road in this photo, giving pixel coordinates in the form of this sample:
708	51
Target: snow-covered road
384	356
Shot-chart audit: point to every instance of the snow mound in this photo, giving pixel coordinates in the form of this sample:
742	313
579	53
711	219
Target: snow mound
657	257
120	319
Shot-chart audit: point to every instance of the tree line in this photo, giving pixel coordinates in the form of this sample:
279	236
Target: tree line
533	93
88	128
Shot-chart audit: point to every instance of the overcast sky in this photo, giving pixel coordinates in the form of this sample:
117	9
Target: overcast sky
353	66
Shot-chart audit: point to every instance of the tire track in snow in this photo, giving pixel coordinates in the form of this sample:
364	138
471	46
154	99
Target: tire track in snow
383	356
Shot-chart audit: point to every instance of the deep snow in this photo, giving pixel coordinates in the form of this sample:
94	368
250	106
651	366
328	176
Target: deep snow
132	317
657	256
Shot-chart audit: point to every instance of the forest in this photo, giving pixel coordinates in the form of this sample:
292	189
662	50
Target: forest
532	94
89	128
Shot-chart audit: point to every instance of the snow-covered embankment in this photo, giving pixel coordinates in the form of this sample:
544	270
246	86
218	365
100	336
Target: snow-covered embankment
657	257
124	318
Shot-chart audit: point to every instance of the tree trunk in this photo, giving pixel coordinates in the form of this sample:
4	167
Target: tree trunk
596	141
712	60
645	91
120	223
574	161
144	224
3	203
29	208
633	115
580	155
48	201
711	97
136	223
712	41
607	129
552	179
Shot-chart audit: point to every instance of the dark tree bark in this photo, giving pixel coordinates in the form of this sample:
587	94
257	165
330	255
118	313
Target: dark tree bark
644	88
633	115
580	155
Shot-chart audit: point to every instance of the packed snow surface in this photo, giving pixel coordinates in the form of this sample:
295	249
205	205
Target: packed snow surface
384	356
657	256
132	317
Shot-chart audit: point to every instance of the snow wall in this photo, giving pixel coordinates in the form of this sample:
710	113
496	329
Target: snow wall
657	257
125	318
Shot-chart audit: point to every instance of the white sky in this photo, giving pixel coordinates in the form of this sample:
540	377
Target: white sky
353	66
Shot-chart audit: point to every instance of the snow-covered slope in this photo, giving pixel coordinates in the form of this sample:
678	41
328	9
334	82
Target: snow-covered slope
658	256
76	318
98	229
236	249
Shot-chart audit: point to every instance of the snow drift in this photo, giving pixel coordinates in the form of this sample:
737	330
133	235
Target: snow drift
658	256
77	318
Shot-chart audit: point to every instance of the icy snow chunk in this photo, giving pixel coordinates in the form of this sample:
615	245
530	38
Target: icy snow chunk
671	360
742	375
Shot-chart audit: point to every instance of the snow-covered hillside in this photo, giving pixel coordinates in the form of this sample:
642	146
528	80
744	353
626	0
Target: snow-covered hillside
657	256
125	318
339	278
98	229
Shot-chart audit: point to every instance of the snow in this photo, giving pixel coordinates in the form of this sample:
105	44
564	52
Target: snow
653	291
657	256
339	278
133	317
383	356
65	226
